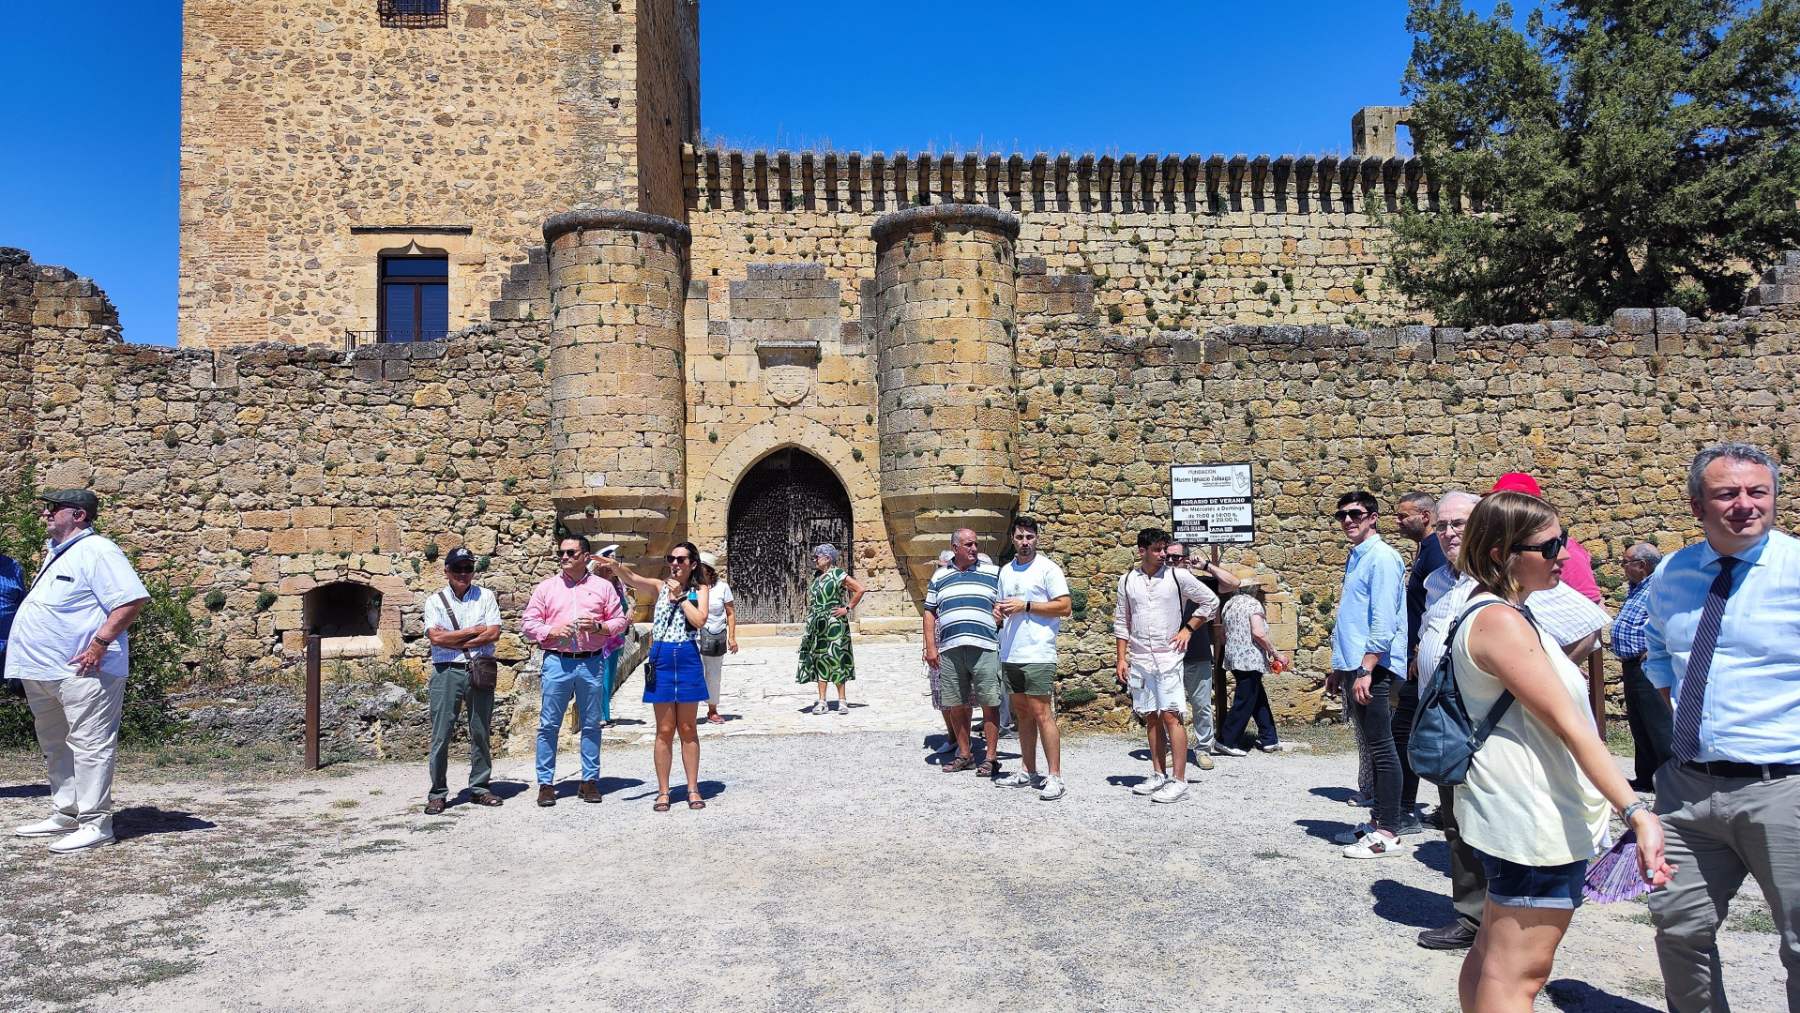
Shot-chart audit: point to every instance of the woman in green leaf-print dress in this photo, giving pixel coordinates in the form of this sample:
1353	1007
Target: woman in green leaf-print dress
825	657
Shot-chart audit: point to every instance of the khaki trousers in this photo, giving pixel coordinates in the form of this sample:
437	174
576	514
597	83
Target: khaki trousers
78	728
1718	830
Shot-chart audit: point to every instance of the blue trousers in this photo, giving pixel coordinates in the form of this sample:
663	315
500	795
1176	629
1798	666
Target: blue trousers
564	678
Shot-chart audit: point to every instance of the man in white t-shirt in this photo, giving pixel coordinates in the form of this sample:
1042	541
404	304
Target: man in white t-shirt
69	646
1034	598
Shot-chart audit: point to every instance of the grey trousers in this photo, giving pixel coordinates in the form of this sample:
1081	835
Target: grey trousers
1718	830
449	690
1197	680
1468	883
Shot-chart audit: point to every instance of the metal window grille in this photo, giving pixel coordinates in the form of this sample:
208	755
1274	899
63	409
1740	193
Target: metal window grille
414	13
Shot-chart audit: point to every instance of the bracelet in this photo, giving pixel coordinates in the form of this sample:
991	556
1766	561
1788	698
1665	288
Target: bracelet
103	642
1632	810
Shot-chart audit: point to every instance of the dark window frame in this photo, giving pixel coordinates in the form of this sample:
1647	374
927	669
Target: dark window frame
414	13
417	283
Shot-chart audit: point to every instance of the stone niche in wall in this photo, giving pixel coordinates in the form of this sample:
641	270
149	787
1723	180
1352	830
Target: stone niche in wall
787	314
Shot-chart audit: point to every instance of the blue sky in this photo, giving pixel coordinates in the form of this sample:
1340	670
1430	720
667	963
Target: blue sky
88	176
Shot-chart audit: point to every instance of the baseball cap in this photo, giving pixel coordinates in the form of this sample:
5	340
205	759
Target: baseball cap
80	499
1517	481
459	558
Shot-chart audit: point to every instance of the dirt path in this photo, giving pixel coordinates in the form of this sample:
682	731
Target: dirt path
828	872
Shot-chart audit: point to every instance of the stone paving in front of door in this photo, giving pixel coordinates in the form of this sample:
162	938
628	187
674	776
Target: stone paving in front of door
758	695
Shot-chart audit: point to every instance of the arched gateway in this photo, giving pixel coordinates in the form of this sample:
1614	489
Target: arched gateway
787	503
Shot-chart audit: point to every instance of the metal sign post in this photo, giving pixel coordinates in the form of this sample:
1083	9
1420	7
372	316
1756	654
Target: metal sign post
313	666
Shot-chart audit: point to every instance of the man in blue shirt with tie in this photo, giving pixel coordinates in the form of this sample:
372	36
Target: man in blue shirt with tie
1724	648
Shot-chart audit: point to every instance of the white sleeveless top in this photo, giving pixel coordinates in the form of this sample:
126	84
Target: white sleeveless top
1525	799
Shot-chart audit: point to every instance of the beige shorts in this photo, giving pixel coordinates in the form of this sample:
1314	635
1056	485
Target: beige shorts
1155	683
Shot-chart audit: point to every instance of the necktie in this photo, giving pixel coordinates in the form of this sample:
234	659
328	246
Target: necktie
1686	743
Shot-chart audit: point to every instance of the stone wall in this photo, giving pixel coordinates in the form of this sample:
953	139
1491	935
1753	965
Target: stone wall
315	137
266	472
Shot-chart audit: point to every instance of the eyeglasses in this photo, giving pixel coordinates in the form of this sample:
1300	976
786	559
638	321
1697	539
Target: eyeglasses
1550	549
1455	525
1350	515
672	558
569	553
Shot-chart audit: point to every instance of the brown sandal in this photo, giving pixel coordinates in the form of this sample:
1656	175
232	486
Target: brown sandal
988	768
696	803
662	803
958	764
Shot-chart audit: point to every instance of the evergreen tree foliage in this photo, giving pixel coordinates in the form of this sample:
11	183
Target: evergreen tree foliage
1618	153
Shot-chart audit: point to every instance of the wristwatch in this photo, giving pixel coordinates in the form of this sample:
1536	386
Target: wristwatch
1632	810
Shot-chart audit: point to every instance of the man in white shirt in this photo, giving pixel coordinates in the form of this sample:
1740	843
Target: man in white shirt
69	645
1150	640
462	621
1034	598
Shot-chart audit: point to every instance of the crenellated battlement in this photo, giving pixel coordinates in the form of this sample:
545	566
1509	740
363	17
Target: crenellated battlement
1196	184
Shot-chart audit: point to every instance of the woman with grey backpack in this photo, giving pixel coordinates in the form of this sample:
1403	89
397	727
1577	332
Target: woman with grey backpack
1534	800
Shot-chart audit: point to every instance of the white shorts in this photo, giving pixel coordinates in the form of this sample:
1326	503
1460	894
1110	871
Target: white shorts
1156	684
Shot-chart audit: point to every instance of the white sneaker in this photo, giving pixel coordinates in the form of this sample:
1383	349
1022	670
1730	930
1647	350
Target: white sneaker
1376	845
1352	836
83	839
1171	791
56	826
1227	751
1016	779
1149	784
1053	789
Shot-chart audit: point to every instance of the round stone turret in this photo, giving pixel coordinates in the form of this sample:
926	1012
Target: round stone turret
944	282
618	409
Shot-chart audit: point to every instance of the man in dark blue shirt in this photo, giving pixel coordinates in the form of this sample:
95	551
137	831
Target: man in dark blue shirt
1414	516
12	592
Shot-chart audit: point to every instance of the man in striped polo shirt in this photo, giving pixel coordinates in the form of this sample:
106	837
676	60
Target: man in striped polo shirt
962	641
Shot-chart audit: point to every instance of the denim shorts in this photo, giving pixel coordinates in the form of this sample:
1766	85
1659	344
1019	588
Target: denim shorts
1510	884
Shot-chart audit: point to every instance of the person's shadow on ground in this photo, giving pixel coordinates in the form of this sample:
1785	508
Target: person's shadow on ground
148	820
1580	997
25	791
1408	905
1434	855
1324	830
504	790
1335	793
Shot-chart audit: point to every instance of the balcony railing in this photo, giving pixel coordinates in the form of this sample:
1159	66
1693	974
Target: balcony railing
354	340
414	13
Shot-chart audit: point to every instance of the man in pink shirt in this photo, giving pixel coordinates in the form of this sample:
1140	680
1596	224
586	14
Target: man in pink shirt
571	616
1578	569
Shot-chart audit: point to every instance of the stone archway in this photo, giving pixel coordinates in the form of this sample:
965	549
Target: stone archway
785	504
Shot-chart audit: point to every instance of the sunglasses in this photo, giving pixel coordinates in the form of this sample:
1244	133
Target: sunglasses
1550	549
672	558
1350	515
462	570
1174	557
569	553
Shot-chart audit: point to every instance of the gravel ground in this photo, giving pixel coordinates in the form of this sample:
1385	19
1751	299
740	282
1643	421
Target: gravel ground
836	872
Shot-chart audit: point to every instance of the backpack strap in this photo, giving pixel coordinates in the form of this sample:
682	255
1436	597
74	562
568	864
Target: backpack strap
1505	701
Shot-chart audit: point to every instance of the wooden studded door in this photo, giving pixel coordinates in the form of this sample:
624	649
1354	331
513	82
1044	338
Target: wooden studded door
785	505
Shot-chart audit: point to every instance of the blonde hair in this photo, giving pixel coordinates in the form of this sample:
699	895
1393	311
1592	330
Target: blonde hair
1500	521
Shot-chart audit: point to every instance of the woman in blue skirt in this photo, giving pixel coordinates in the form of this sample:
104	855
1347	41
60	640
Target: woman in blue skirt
674	680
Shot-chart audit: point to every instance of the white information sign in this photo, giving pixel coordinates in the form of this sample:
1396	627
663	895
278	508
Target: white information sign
1211	503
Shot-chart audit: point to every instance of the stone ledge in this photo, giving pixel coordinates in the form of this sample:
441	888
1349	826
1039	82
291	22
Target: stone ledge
895	223
615	220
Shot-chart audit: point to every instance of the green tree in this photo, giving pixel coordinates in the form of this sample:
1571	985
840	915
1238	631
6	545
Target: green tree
164	633
1617	153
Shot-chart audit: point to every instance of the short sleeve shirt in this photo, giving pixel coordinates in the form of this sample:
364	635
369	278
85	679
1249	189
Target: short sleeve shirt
78	586
1030	639
716	600
480	608
963	601
1241	652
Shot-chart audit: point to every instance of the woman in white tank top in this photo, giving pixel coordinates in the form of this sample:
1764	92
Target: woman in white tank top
1534	805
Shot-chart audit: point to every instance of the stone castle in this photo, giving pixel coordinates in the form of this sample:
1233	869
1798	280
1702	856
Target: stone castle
463	273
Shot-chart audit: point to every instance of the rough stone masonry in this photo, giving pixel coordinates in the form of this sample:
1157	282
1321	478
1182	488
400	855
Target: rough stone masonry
639	325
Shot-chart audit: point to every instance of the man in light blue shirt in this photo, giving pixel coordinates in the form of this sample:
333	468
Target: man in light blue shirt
1368	652
1724	647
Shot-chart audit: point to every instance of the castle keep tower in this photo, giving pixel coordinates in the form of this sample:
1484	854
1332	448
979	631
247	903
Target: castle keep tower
618	407
944	284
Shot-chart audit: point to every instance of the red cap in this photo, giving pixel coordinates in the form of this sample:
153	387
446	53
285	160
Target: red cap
1517	481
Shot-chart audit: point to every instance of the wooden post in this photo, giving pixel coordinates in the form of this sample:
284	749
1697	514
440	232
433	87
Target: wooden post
1597	689
313	666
